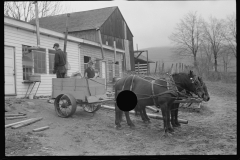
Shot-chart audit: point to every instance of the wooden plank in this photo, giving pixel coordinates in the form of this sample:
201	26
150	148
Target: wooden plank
68	88
57	81
12	124
13	115
141	69
40	129
68	82
77	94
57	87
141	64
84	89
18	117
26	123
100	90
81	82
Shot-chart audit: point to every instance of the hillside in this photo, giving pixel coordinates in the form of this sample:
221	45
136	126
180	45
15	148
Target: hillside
166	55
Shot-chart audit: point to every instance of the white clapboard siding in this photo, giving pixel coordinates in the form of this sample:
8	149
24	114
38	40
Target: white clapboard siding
18	33
18	37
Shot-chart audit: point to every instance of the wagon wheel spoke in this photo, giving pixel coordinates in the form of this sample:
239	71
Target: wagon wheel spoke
91	108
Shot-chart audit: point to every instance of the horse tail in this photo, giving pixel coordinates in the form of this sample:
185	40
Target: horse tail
118	112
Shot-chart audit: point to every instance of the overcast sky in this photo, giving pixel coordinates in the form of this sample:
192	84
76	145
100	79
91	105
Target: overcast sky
152	22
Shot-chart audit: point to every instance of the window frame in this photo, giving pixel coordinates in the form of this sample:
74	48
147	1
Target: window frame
41	62
85	64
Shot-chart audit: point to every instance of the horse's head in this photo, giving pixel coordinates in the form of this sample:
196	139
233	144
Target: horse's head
206	96
195	85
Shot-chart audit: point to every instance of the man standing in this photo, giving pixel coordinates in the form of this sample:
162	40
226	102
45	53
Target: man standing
89	72
59	62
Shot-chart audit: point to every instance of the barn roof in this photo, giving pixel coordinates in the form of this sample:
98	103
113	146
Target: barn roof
78	21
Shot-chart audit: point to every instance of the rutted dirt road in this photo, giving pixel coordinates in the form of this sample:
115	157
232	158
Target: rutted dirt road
212	130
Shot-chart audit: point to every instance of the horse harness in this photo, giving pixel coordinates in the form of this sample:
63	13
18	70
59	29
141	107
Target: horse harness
153	96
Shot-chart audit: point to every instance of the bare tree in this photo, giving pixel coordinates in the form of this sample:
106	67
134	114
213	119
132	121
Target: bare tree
187	36
230	34
25	10
213	34
206	54
226	55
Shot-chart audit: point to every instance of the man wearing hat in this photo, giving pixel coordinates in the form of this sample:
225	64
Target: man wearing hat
59	62
89	72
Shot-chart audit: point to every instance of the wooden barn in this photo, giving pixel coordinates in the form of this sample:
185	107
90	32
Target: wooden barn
142	62
106	26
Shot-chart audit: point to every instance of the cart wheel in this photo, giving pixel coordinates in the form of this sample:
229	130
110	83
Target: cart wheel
91	108
65	105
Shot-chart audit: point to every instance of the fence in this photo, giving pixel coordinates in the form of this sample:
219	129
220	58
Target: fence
175	67
141	68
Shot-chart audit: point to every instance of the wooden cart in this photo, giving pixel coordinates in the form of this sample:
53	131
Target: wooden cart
72	92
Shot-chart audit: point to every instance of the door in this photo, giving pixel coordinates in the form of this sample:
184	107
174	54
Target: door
9	67
104	71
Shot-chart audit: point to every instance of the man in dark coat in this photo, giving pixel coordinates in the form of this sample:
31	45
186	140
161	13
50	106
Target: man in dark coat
59	62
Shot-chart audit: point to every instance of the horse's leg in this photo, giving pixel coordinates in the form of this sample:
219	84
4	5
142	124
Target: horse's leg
163	109
173	115
118	115
136	111
142	116
169	127
176	115
129	122
145	115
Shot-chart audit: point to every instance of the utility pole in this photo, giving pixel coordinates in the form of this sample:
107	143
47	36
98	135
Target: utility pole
65	40
37	23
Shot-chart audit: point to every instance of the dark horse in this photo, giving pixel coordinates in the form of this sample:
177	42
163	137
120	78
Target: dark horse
182	84
157	92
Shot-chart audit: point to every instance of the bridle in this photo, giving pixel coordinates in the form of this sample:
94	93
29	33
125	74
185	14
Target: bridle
196	83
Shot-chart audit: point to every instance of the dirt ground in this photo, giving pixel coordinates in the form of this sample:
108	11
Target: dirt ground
210	130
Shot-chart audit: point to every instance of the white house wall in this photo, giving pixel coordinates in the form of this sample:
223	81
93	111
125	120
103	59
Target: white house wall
17	37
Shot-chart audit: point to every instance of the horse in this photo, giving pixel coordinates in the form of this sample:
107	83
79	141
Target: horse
190	83
156	93
182	84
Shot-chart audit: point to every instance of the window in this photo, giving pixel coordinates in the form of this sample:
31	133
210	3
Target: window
27	62
117	73
51	56
110	71
86	60
39	60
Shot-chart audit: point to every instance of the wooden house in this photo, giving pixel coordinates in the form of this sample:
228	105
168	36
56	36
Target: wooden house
20	62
